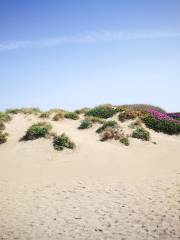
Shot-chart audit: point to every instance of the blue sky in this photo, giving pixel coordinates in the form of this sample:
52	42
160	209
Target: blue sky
69	54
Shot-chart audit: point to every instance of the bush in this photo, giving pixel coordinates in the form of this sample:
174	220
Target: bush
136	123
82	110
95	119
62	141
129	115
141	133
112	124
125	141
103	111
45	114
85	124
5	117
2	126
58	116
3	137
71	115
13	111
165	126
34	111
141	107
116	134
37	130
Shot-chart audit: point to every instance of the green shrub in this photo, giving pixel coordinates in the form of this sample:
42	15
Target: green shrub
34	111
82	110
37	130
13	111
3	137
45	114
62	141
141	107
103	111
165	126
2	126
29	111
5	117
71	115
141	133
95	119
125	141
112	124
85	124
58	116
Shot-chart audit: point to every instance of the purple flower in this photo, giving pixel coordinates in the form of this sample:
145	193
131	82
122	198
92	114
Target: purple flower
164	116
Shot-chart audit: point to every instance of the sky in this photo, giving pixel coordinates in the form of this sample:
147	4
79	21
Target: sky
76	53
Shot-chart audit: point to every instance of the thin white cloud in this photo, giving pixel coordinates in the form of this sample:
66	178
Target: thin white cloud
88	38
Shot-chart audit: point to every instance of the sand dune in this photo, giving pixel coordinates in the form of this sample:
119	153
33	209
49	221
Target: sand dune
100	190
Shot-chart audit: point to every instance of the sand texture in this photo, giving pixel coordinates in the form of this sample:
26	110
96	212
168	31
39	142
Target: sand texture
100	190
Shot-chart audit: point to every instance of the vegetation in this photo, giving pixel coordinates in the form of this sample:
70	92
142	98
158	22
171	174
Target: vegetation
5	117
62	141
125	141
112	124
141	133
71	115
45	114
136	123
34	111
102	111
2	126
3	137
58	116
37	130
85	124
141	107
165	126
116	134
95	119
82	110
130	114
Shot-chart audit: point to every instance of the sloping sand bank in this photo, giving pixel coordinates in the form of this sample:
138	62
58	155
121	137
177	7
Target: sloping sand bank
99	191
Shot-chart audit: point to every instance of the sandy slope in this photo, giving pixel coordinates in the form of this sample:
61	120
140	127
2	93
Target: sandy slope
99	191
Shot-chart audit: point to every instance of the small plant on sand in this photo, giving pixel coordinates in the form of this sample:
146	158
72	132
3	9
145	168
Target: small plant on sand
82	110
112	124
2	126
45	114
38	130
85	124
5	117
136	123
95	119
102	111
141	133
125	141
3	137
71	115
13	111
28	111
116	134
62	141
58	116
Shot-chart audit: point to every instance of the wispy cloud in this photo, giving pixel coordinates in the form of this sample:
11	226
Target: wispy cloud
89	38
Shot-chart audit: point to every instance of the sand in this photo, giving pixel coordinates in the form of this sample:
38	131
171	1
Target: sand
101	190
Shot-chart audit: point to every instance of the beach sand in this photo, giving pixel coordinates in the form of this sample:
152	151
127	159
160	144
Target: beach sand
101	190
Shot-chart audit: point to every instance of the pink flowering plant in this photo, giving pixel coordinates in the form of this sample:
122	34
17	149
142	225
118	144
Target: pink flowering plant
162	122
165	116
